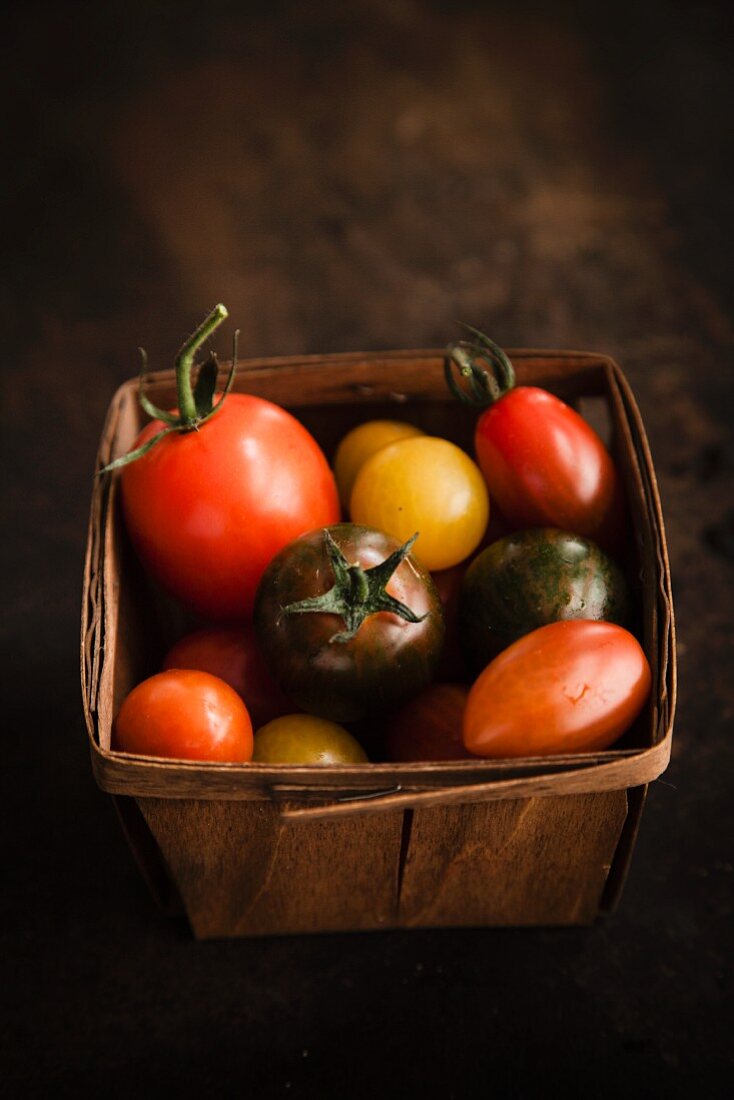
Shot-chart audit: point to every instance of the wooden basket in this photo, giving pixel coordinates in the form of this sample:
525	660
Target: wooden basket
258	849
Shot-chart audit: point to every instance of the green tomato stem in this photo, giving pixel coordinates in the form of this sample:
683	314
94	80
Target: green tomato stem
472	358
185	362
195	404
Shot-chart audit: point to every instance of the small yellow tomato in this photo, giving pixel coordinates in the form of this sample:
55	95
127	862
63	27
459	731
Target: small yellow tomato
429	485
306	739
360	444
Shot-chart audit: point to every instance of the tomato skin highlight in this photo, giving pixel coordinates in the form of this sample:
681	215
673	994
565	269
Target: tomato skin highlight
572	686
386	662
185	714
206	510
231	653
547	467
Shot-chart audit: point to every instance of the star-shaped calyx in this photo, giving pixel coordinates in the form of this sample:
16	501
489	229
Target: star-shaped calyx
357	592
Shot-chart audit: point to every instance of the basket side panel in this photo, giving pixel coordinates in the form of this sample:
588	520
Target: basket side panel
532	861
240	871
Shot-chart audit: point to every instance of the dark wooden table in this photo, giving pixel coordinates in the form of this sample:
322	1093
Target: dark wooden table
357	177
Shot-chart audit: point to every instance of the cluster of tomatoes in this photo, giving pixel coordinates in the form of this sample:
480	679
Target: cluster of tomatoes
406	617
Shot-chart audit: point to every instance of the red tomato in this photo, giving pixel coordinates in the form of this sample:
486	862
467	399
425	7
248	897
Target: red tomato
231	653
547	467
572	686
185	714
429	726
544	465
208	509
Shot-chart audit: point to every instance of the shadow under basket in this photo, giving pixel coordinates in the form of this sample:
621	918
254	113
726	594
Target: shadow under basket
258	849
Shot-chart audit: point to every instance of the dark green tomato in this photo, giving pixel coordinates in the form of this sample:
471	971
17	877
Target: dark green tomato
387	660
532	578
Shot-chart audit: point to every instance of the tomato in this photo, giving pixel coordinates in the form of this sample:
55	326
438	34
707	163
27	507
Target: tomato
231	653
186	714
448	582
207	510
530	579
544	465
429	485
547	467
349	622
306	739
429	726
360	444
214	488
572	686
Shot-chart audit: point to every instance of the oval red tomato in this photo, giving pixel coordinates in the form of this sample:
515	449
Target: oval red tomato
544	465
185	714
547	467
572	686
208	509
231	653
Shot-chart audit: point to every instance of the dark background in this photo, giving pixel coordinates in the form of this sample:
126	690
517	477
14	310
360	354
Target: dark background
351	177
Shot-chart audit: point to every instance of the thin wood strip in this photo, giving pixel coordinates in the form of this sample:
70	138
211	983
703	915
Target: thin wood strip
615	776
125	774
379	376
652	495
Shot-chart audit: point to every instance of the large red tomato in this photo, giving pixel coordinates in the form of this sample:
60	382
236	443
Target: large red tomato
207	509
572	686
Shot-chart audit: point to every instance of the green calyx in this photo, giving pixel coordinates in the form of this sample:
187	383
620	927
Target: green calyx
483	365
196	403
357	592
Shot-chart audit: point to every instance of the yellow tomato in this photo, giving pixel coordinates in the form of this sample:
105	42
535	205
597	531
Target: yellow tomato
428	485
306	739
360	444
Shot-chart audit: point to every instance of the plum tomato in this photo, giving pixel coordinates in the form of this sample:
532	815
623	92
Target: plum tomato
428	485
231	653
533	578
573	686
213	489
306	739
429	726
185	714
349	622
360	444
544	464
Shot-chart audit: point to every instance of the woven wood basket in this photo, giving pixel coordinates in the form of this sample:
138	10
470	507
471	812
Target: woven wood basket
260	849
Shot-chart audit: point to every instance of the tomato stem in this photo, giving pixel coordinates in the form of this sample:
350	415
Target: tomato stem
185	362
195	403
471	358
